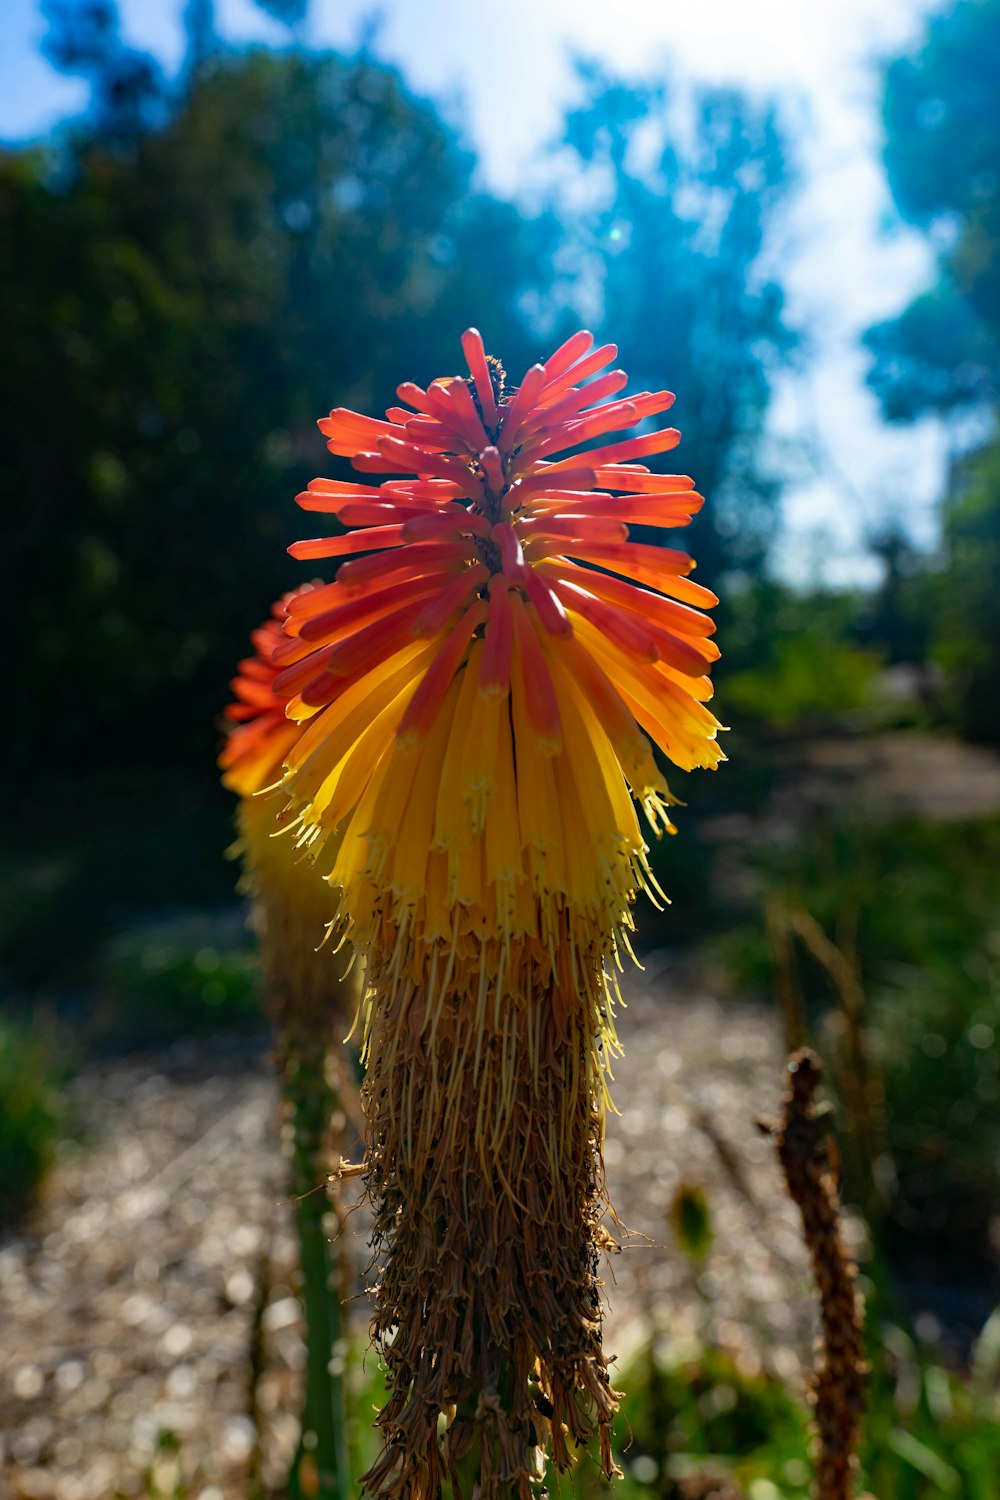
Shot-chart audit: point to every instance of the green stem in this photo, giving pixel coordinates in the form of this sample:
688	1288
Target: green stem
322	1469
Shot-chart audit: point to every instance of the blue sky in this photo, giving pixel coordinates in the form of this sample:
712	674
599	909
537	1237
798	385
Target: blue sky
504	74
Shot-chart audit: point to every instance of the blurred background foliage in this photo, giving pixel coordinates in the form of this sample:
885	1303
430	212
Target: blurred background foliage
197	269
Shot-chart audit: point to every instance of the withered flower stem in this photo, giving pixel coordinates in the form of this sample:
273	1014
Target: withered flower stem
837	1386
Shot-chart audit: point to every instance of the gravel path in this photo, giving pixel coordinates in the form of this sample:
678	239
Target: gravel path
161	1262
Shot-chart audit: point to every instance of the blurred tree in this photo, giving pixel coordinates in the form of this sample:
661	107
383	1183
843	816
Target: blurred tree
127	86
794	658
290	13
189	277
202	37
941	112
675	242
895	616
300	230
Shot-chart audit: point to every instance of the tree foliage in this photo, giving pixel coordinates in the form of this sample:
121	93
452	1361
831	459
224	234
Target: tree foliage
941	114
683	202
942	354
204	266
127	86
301	229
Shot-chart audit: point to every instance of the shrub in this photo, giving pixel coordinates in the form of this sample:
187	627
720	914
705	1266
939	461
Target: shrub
181	976
915	901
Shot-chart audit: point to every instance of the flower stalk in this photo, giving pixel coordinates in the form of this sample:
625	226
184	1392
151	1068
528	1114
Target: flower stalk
311	1009
322	1468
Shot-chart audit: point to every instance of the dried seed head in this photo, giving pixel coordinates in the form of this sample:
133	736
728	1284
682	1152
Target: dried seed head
837	1390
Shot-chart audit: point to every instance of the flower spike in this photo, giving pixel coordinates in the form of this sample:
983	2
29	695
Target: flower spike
476	695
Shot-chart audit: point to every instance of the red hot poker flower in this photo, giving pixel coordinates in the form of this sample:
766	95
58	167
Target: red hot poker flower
497	642
476	693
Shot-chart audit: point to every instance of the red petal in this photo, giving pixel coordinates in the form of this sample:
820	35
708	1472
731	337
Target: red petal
434	616
493	465
637	447
506	539
617	417
593	530
676	618
589	366
568	353
374	643
343	546
426	702
668	509
494	668
551	614
567	406
294	678
517	411
381	512
454	406
636	479
621	629
330	494
334	622
547	477
449	524
431	434
637	560
534	680
420	557
475	353
415	395
409	456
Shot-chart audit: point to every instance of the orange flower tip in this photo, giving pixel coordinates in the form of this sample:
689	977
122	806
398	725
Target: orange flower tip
436	614
475	354
568	353
493	466
548	606
581	371
552	478
517	412
412	393
511	554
